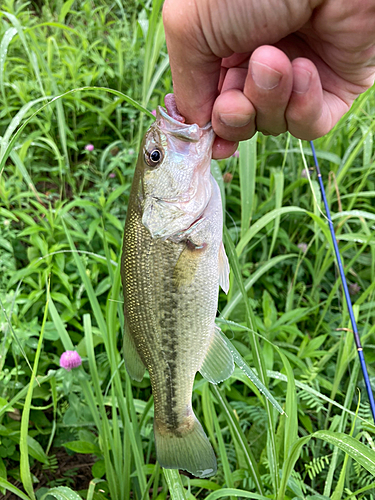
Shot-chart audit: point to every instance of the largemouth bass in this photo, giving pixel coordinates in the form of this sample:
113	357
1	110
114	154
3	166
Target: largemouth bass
172	264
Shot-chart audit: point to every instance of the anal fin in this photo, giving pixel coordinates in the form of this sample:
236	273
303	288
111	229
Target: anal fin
218	364
134	365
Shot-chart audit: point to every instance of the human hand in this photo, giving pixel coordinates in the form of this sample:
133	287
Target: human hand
268	65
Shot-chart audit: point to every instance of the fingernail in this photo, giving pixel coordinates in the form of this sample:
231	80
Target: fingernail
264	77
234	120
301	80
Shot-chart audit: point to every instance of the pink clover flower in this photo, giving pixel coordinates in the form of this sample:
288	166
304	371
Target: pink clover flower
70	359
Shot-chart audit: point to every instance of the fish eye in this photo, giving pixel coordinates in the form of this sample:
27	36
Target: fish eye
154	157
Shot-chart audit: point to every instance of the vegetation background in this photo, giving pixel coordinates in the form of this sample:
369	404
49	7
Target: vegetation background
87	433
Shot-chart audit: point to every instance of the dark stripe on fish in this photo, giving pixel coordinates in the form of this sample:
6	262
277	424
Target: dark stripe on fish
168	324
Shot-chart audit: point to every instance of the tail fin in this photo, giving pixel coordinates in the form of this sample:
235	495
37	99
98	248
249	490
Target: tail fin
191	451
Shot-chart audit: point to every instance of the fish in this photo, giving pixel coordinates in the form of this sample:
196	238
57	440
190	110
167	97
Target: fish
173	262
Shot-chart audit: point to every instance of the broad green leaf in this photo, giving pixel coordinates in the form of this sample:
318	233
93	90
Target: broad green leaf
226	492
289	462
83	447
291	408
359	452
324	155
34	448
65	9
7	214
62	493
354	448
353	213
205	483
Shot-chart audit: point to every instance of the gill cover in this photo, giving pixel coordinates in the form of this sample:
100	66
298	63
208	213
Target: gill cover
176	189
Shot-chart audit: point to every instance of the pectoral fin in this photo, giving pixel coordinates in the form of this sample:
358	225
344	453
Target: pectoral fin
134	364
218	364
186	266
223	269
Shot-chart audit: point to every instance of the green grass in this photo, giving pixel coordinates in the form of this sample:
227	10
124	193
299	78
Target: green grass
293	420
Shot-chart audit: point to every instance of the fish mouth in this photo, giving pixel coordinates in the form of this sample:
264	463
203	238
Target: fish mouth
184	131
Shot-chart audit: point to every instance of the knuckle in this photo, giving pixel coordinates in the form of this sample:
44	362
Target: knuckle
178	22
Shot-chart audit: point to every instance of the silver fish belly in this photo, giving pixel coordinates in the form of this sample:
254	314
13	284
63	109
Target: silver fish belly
173	261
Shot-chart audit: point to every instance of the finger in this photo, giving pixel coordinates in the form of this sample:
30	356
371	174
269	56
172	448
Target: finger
223	149
200	34
234	78
233	116
195	68
312	111
268	86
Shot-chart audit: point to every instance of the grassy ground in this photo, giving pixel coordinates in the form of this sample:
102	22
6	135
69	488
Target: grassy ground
62	212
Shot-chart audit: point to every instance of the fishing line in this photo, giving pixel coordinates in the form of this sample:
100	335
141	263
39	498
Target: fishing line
357	340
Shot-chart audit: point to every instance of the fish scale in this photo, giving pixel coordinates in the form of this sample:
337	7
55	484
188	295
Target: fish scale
173	261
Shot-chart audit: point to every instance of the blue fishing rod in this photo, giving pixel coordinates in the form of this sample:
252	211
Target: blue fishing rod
357	340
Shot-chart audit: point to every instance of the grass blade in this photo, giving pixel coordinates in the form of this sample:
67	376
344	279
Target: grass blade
238	297
114	476
289	462
278	179
223	453
237	434
262	222
10	487
24	461
323	397
5	154
225	492
238	359
348	399
5	41
254	344
175	487
248	165
89	289
354	448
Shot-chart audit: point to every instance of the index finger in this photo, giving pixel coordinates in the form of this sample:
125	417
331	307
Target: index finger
195	68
